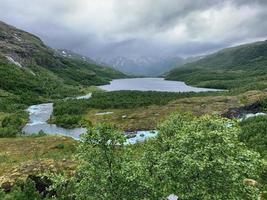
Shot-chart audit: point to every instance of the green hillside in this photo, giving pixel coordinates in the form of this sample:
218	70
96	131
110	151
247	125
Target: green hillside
27	65
243	67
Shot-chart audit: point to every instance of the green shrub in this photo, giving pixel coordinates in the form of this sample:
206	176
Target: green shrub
60	146
12	124
254	134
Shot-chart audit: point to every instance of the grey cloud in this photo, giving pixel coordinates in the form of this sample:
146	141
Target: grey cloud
107	28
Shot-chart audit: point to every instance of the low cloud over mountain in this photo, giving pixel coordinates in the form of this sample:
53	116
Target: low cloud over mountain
111	28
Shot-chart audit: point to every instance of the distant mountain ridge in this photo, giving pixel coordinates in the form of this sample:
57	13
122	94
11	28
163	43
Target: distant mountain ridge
243	66
144	65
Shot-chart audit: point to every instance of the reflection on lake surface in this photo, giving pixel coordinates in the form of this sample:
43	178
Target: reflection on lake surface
152	84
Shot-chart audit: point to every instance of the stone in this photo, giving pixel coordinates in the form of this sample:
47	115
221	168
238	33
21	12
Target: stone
250	182
172	197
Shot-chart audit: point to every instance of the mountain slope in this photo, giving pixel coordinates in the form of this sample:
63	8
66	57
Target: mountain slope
27	65
243	67
70	54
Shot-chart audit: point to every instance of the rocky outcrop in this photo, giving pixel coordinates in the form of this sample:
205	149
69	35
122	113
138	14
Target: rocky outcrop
240	112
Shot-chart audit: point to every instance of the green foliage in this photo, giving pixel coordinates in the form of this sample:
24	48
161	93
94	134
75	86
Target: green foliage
67	121
195	158
11	125
27	191
109	169
102	150
263	103
202	158
254	134
192	157
60	146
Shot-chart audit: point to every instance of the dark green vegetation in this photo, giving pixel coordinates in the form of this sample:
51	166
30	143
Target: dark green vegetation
68	113
23	191
12	124
194	158
135	99
242	68
32	73
254	135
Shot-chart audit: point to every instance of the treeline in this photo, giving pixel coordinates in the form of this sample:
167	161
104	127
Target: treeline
134	99
68	113
193	158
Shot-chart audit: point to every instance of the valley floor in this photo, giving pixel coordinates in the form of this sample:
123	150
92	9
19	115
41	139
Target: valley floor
147	118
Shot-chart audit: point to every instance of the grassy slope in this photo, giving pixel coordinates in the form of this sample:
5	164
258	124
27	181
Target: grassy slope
22	156
243	68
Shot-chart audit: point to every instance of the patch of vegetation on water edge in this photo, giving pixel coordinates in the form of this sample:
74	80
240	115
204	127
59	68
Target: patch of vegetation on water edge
146	117
12	123
68	113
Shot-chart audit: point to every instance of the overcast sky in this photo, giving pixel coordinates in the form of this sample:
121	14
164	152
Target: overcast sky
106	28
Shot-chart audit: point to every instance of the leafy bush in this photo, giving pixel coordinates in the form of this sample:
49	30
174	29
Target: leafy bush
195	158
12	124
60	146
26	191
202	158
67	121
254	134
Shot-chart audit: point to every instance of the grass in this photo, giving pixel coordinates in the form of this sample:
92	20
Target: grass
22	156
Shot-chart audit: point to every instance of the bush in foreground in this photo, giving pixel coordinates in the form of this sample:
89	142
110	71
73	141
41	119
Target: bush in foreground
195	158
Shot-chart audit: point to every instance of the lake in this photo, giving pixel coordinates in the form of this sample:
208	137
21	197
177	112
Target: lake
152	84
